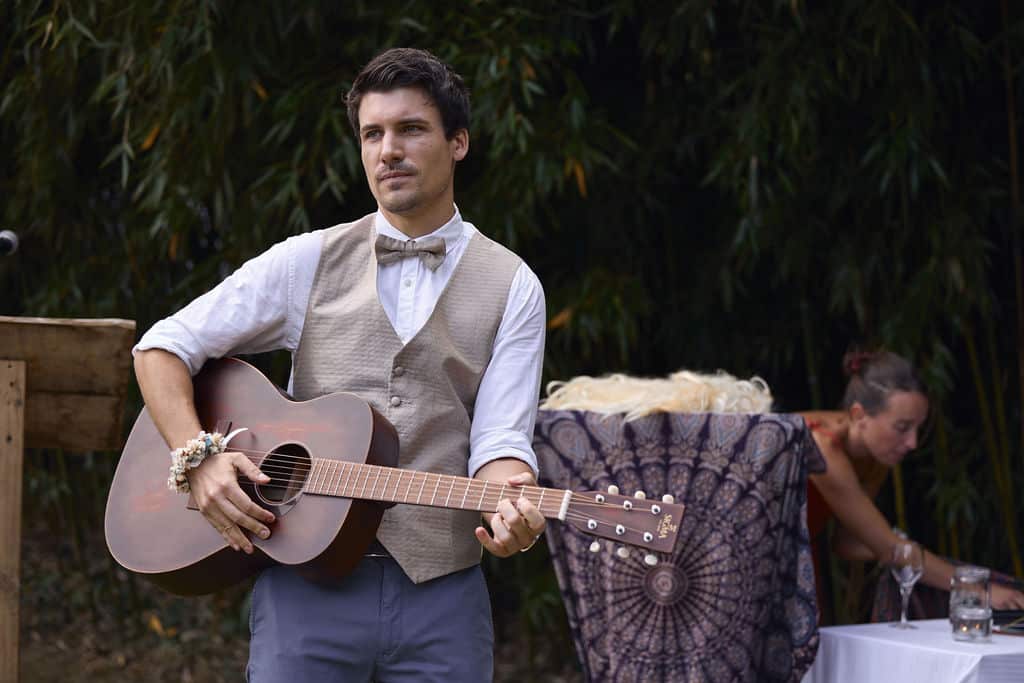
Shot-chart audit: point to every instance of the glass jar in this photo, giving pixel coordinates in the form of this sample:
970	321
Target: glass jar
970	609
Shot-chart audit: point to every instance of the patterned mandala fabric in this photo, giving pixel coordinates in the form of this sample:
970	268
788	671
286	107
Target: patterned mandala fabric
735	601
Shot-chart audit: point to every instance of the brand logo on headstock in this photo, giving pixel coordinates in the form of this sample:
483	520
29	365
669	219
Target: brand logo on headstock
665	526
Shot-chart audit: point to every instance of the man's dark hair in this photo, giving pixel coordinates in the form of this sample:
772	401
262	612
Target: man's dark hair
405	67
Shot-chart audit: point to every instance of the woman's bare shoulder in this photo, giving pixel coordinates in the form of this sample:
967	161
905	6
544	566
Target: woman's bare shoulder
828	428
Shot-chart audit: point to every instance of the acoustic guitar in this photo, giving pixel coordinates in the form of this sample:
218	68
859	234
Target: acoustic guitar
332	462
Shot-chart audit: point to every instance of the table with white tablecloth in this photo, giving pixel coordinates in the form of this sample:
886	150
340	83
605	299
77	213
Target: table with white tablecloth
926	654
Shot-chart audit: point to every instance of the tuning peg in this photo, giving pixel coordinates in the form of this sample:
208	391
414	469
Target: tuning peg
639	494
622	552
613	489
650	559
668	498
595	547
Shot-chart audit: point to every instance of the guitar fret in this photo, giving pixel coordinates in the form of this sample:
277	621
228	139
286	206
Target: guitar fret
501	495
325	468
436	484
316	477
344	476
346	470
358	470
412	478
464	494
384	491
325	484
450	489
480	505
398	482
540	502
335	477
362	492
310	483
420	494
373	492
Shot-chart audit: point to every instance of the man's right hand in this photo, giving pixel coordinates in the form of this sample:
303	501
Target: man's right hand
222	501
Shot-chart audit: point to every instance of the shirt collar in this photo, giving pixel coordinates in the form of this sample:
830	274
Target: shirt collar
450	232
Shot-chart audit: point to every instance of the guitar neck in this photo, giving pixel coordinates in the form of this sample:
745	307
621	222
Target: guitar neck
394	485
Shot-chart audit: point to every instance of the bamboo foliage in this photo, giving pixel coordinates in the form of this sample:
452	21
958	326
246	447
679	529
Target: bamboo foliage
996	446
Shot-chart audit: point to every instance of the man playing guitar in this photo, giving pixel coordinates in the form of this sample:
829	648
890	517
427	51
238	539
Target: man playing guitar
441	330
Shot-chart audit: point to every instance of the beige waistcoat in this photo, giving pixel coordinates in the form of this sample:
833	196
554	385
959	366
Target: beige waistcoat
426	388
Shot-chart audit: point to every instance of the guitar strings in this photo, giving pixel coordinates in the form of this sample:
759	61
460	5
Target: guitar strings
474	486
492	501
303	466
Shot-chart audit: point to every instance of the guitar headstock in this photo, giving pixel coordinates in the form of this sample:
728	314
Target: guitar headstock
633	520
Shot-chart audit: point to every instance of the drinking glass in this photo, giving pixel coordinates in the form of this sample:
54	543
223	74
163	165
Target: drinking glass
906	565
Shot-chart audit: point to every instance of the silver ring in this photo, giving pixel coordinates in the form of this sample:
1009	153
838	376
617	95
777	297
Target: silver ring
532	543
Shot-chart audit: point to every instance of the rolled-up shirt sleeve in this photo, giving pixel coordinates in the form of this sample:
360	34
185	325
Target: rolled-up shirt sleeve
251	311
506	403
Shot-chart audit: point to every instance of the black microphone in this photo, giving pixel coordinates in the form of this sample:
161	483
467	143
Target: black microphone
8	242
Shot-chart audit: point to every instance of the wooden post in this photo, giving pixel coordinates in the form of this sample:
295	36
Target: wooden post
12	430
62	385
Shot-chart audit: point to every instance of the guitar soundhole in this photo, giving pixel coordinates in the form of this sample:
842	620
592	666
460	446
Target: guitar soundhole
288	467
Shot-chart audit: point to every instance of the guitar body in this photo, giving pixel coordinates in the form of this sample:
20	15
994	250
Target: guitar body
161	535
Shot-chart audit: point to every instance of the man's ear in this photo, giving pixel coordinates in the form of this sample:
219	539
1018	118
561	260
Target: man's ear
857	412
460	144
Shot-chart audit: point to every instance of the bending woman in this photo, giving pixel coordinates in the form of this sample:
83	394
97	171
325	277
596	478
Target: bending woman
883	409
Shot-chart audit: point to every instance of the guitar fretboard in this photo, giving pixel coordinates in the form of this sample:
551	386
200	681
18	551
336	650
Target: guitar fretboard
373	482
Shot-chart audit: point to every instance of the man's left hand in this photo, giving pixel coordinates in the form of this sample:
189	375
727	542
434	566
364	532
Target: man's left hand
516	525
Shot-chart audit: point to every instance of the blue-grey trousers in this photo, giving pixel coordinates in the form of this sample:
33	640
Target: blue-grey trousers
375	625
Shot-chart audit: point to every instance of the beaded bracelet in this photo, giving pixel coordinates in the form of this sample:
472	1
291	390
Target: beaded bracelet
190	456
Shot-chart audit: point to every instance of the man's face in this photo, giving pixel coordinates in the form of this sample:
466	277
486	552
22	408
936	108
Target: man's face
408	161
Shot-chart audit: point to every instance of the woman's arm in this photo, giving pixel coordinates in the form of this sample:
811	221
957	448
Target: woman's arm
868	534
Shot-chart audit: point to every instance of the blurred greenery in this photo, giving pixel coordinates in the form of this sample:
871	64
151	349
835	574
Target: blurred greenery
747	185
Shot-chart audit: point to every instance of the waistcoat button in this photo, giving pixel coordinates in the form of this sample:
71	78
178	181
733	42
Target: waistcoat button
395	401
398	371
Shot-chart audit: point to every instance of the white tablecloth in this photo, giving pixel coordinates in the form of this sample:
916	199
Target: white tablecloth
927	654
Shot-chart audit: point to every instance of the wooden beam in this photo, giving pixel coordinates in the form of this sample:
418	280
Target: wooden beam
74	422
12	420
81	356
77	373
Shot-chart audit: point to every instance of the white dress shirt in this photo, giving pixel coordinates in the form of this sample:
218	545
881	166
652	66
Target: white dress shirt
262	307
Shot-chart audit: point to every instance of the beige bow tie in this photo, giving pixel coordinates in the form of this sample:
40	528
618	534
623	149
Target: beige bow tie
429	250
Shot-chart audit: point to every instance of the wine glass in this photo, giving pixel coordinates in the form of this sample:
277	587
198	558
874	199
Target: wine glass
906	565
